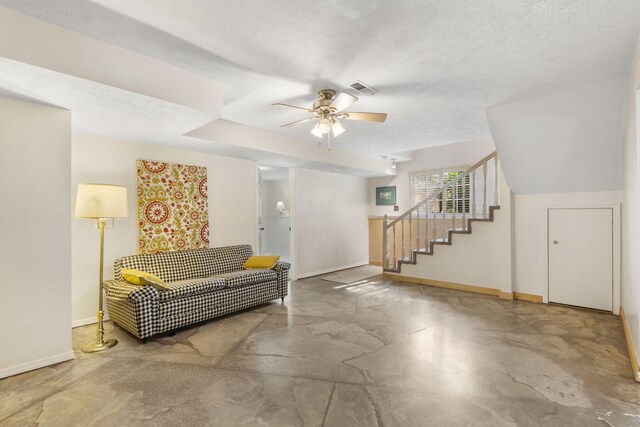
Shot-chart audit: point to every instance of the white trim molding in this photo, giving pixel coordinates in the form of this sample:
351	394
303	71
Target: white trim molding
88	321
632	352
331	270
36	364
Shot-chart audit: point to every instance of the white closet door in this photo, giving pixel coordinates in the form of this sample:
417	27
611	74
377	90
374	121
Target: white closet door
580	245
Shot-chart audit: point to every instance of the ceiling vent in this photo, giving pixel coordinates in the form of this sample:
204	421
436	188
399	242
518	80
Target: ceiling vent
363	87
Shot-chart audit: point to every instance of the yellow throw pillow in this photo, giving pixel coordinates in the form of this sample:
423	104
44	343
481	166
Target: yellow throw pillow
141	278
261	262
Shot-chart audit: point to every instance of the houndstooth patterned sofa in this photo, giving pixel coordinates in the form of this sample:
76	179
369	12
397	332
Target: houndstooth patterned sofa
205	283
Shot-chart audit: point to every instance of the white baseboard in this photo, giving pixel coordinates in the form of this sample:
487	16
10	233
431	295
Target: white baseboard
331	270
40	363
630	348
87	321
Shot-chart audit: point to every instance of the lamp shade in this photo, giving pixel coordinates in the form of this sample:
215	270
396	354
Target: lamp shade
316	131
337	128
280	206
324	125
101	201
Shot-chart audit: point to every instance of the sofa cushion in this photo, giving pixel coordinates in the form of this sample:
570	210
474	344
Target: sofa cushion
261	262
170	266
230	258
201	262
242	277
190	287
141	278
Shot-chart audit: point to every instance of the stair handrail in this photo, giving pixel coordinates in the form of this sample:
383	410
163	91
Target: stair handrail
441	191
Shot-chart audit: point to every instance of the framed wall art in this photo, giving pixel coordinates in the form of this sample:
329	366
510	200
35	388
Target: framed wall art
173	211
386	195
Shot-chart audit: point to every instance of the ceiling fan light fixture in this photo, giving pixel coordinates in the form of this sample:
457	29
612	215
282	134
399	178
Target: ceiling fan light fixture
328	111
324	125
316	130
337	128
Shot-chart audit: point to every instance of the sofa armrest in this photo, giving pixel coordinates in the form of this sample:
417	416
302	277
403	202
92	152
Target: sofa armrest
281	265
125	290
282	269
135	308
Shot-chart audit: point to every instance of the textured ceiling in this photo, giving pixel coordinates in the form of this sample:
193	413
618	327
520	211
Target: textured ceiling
438	64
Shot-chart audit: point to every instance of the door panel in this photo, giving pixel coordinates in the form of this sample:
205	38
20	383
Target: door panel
580	243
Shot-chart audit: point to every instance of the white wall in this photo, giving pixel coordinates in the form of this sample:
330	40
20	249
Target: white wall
531	232
329	220
569	141
35	230
232	187
441	157
631	207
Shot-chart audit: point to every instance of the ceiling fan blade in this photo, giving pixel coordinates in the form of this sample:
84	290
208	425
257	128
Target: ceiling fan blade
342	101
298	122
279	104
366	117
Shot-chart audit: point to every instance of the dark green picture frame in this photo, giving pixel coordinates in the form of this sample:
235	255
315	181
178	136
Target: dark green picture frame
386	195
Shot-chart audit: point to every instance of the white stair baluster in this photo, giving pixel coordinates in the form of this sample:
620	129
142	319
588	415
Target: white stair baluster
464	202
395	259
473	194
385	242
410	236
495	184
402	237
455	205
426	229
434	236
484	190
444	214
418	229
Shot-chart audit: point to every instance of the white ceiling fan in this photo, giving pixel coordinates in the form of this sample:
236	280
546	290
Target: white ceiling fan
328	111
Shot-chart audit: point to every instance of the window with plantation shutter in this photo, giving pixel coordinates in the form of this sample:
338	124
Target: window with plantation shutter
425	184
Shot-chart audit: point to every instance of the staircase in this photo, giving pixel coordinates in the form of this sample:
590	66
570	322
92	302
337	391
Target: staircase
472	196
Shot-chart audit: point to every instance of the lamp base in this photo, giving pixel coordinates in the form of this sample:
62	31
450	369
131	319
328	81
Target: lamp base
95	346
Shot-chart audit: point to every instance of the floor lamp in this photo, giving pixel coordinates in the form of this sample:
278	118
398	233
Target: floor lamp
101	202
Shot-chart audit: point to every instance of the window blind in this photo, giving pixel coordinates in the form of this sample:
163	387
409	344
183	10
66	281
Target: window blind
425	184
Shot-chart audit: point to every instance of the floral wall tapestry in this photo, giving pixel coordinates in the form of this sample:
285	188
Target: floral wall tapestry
173	211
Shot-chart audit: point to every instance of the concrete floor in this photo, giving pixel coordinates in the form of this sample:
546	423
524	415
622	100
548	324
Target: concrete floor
370	353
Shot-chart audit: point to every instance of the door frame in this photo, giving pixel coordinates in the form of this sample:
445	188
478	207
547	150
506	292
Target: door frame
292	214
616	246
259	218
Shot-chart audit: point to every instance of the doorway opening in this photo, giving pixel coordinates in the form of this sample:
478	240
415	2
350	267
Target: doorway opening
274	214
